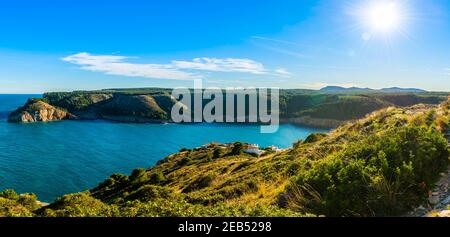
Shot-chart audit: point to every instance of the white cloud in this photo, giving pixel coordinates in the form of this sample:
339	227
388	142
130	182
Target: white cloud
283	72
116	65
177	70
222	65
87	59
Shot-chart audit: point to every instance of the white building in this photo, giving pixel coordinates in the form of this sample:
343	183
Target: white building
254	151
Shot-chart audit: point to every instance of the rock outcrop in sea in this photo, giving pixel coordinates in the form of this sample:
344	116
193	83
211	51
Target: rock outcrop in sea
36	110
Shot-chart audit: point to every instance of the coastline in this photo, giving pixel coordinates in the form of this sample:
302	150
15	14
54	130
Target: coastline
311	109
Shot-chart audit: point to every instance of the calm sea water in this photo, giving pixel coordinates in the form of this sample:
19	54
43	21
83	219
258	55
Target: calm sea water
52	159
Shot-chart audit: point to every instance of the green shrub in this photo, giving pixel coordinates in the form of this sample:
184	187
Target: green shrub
293	169
109	187
9	194
430	117
243	165
239	189
204	198
217	153
200	183
78	205
315	137
184	161
28	200
179	208
15	205
138	176
157	177
237	149
382	175
148	193
11	208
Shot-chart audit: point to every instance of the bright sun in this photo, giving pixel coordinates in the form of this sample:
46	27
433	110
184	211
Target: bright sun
384	16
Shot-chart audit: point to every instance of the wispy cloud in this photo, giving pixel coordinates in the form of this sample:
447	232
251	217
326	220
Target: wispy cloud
283	72
278	41
116	65
294	45
176	70
330	67
222	65
288	52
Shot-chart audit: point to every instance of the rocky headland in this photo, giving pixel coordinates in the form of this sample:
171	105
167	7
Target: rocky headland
38	111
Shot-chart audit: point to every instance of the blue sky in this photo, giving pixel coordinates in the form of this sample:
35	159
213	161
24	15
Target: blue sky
81	45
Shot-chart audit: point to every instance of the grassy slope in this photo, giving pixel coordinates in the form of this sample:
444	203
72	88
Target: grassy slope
380	165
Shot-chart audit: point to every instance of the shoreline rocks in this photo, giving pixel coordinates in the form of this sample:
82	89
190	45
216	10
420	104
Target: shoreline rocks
38	111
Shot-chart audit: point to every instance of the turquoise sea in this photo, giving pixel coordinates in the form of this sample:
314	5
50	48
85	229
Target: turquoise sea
53	159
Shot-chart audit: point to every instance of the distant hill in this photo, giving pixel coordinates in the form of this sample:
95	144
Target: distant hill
384	90
344	89
399	90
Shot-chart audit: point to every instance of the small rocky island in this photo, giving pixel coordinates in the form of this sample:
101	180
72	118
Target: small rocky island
36	110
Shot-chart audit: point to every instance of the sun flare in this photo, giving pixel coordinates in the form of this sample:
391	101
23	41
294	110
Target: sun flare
384	16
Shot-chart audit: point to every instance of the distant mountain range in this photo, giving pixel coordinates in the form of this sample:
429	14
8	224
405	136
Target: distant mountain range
358	89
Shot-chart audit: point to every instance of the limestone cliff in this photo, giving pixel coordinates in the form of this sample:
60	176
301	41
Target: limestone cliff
36	110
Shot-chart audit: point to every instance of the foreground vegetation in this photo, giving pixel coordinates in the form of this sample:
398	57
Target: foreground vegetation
382	165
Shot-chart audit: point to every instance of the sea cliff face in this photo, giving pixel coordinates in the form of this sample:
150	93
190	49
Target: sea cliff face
38	111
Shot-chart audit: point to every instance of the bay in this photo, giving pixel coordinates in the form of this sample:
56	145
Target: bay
53	159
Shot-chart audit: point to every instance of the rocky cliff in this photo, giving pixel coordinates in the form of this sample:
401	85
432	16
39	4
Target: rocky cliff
117	107
38	111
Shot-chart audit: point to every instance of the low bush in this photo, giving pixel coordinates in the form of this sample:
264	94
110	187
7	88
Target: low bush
148	193
200	183
382	175
78	205
238	147
315	137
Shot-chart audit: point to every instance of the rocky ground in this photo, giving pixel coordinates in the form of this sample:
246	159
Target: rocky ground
38	111
439	198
